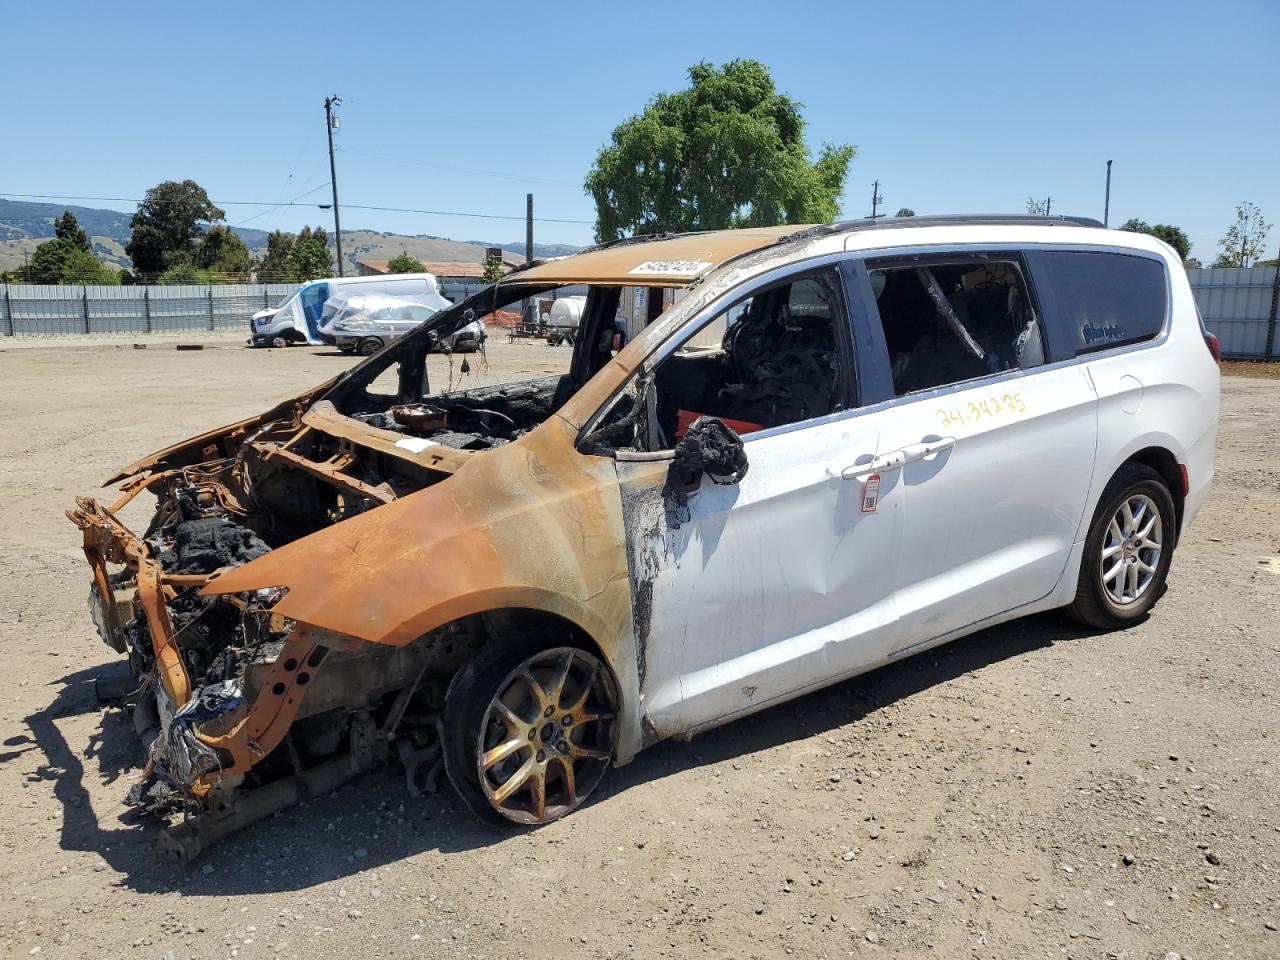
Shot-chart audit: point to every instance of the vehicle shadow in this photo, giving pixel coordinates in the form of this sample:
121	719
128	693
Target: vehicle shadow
373	821
850	701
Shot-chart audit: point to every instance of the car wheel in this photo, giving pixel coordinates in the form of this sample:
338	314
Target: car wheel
369	346
1128	550
528	738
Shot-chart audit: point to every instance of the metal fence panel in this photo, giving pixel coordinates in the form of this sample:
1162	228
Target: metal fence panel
1238	305
37	310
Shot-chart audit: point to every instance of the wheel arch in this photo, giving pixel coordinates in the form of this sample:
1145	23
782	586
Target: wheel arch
509	629
1162	461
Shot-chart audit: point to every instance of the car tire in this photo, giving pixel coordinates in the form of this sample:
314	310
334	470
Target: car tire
565	720
369	346
1127	551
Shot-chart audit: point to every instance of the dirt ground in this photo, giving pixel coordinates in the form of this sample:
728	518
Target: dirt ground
1035	790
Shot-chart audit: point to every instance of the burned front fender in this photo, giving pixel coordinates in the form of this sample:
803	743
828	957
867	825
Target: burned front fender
534	525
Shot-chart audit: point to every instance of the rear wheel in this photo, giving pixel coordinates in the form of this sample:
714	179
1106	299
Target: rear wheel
369	346
530	737
1128	550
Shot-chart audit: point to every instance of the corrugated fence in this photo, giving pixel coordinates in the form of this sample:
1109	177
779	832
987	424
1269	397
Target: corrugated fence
1239	305
36	310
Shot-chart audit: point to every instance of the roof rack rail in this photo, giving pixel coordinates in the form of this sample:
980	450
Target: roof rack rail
964	219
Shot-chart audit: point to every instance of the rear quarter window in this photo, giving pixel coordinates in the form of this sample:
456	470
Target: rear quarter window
1094	301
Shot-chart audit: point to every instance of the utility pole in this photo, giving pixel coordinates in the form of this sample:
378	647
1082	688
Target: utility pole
528	253
876	200
331	124
528	227
1048	203
1106	209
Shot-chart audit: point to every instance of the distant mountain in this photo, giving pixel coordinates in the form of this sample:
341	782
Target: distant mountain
23	225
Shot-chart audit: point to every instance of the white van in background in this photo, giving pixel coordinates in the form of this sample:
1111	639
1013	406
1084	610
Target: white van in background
300	316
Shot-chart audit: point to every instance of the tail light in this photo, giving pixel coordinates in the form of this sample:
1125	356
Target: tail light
616	345
1186	479
1215	348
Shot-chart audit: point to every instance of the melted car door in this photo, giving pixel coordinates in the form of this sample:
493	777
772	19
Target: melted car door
750	589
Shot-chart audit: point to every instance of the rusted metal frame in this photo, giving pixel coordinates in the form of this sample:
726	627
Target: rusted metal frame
151	597
330	471
325	418
106	539
264	726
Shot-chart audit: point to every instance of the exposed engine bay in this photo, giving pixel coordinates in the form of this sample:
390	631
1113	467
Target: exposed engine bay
215	682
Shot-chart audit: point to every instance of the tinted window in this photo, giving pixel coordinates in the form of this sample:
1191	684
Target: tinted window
950	321
1093	301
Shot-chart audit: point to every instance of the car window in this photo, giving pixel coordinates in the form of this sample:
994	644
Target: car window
779	358
1096	300
955	320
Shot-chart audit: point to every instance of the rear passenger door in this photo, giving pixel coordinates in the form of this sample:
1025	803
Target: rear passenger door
997	445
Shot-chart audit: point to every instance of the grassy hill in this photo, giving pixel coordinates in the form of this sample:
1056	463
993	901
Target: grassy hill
24	225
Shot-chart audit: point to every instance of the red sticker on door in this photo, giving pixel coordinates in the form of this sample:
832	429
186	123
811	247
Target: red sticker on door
871	493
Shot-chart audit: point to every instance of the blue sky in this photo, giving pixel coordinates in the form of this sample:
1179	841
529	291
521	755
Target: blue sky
465	107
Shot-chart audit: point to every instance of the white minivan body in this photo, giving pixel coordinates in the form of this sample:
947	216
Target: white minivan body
299	317
953	497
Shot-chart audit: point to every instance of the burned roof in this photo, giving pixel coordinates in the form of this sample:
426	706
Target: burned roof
671	260
681	258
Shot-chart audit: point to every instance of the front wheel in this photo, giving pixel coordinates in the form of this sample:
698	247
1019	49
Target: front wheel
369	346
529	738
1128	550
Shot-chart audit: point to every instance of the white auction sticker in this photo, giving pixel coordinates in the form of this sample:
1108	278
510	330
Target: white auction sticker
871	493
672	268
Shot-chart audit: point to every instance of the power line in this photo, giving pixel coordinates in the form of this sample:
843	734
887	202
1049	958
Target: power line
294	203
455	169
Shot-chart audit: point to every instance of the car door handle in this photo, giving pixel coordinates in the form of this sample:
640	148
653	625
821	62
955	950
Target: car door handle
927	448
888	461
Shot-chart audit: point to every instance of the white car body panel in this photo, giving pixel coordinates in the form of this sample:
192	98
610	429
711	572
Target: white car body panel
779	584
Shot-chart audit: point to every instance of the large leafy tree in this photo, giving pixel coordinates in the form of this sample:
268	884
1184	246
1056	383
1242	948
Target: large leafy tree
274	265
222	253
729	151
1175	237
1242	243
168	224
404	264
309	258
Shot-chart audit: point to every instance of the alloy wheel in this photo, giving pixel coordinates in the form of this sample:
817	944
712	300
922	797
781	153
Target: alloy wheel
546	738
1131	550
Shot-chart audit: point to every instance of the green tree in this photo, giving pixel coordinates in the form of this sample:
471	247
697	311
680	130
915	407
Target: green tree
309	258
61	260
1037	208
222	253
1242	243
728	151
81	266
1175	237
181	273
168	225
69	230
905	212
404	264
493	270
274	265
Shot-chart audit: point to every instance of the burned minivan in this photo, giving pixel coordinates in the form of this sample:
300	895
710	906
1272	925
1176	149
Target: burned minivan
842	445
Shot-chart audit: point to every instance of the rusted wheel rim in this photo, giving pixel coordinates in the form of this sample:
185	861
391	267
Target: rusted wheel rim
547	736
